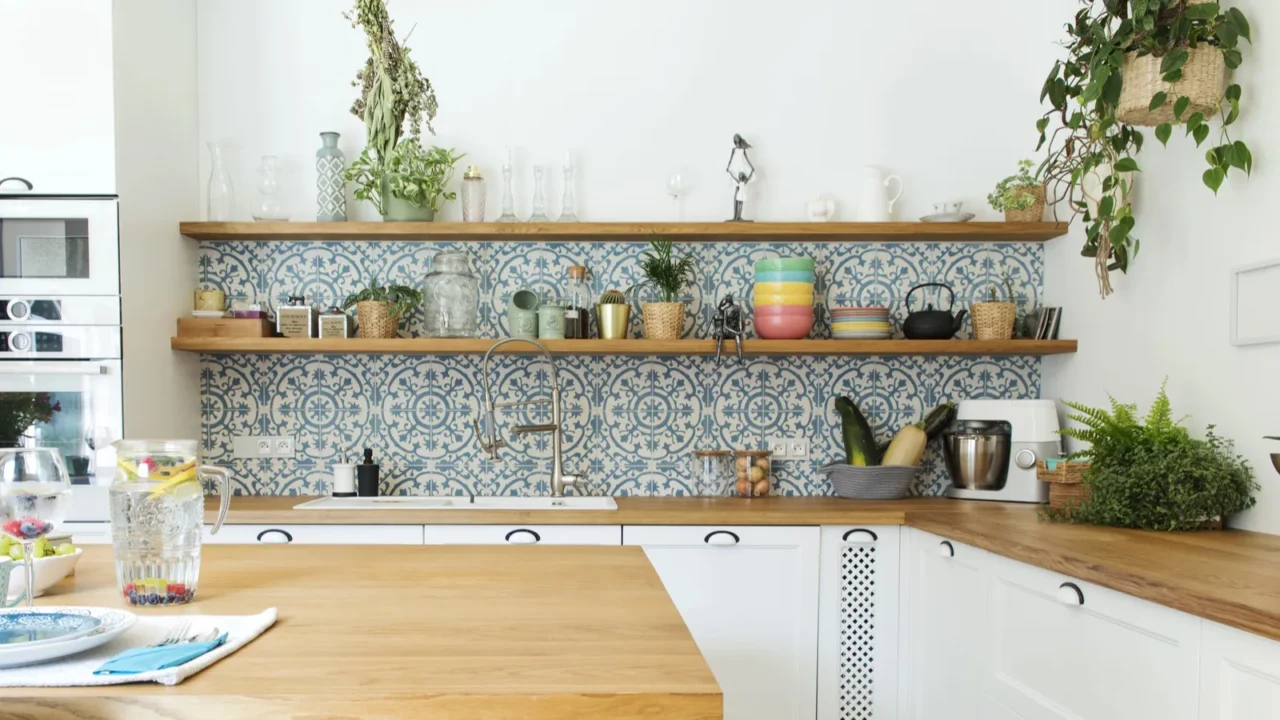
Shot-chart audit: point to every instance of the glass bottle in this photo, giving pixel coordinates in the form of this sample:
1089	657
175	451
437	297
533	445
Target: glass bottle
451	297
222	195
539	202
331	189
508	196
568	212
472	195
577	298
268	206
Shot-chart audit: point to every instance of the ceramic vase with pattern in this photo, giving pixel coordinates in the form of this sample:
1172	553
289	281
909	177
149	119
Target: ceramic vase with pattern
331	194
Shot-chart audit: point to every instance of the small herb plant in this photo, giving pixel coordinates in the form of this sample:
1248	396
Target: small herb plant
412	174
1010	193
1151	474
664	272
403	299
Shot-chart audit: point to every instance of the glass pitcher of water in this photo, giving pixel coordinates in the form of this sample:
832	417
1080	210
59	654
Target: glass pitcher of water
157	513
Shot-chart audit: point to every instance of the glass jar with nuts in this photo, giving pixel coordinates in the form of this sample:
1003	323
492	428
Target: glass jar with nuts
751	467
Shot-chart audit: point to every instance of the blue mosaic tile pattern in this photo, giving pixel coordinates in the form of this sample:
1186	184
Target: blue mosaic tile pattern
631	422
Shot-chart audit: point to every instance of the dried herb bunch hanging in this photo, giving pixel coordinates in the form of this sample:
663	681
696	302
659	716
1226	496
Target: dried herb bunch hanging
392	87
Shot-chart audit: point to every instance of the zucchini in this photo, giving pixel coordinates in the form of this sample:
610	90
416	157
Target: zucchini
933	423
907	447
859	443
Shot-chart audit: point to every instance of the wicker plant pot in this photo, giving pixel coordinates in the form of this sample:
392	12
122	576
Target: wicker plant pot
373	318
663	321
1204	80
1035	213
993	320
1067	487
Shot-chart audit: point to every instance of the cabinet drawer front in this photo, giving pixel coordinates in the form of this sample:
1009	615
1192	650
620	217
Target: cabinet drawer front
523	535
87	533
316	535
1239	675
716	535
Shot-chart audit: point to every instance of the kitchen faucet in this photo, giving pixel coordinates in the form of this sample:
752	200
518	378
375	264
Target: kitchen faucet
491	443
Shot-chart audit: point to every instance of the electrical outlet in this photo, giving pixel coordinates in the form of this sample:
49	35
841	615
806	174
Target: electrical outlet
797	449
262	446
283	447
777	446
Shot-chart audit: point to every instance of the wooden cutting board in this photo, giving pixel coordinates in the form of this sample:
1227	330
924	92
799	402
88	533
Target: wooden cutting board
225	327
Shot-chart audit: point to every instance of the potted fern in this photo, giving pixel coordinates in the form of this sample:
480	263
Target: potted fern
379	308
668	275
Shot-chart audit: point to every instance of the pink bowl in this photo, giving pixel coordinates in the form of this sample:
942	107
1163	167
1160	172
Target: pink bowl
783	327
785	310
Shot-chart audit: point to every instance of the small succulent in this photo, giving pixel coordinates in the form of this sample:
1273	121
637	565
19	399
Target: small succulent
613	297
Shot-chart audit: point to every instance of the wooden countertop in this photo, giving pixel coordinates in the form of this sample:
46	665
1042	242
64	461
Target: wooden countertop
442	632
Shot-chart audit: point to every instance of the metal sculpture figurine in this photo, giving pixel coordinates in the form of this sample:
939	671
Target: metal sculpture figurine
728	323
740	177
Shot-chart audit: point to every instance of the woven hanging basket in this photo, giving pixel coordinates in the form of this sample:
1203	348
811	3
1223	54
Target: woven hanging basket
373	318
663	321
993	320
1204	80
1035	213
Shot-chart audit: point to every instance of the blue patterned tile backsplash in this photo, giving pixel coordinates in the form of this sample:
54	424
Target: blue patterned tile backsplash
630	422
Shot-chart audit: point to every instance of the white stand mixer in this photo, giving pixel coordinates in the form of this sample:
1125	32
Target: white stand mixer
992	449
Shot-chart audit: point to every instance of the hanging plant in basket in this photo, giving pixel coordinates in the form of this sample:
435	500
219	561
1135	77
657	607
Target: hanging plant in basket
1131	63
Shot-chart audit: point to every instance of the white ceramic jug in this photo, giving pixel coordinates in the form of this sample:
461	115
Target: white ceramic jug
876	205
820	210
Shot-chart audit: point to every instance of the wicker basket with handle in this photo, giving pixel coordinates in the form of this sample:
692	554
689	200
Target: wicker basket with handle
1204	80
1067	487
993	320
374	319
663	321
1035	213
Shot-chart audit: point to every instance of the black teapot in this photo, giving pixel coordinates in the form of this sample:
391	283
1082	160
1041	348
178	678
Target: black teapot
930	324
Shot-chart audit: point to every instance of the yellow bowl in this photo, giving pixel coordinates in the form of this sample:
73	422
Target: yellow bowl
774	299
785	288
860	326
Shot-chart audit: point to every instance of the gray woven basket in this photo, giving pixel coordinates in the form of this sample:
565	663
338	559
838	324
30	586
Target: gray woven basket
881	482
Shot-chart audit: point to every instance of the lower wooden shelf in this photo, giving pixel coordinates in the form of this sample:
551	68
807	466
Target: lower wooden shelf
478	346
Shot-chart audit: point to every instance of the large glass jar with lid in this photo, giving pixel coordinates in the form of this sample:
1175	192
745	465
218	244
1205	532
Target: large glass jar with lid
451	297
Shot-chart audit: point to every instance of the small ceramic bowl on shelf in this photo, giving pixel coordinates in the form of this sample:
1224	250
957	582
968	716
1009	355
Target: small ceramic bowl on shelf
804	264
752	473
801	276
784	327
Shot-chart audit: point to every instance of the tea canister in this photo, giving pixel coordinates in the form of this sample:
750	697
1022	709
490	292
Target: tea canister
335	323
551	322
295	319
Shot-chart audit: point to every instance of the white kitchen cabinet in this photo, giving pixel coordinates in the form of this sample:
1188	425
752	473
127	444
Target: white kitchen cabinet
858	623
945	633
1239	675
523	535
749	596
315	535
87	533
57	129
1064	648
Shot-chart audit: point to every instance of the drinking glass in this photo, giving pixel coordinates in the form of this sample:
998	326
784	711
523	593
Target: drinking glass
35	494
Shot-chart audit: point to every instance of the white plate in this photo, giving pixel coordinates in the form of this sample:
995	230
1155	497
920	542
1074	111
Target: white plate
208	313
948	217
114	622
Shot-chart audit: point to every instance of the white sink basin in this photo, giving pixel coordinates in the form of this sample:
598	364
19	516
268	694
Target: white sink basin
459	503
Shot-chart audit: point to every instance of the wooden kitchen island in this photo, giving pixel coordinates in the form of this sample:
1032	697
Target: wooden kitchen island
408	631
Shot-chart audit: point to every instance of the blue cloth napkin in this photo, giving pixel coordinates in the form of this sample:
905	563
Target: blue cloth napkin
146	659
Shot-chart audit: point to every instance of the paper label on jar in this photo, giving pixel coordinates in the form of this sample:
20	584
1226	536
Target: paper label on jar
295	323
333	326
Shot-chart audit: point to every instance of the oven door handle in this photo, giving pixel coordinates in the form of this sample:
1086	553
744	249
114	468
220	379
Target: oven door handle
7	369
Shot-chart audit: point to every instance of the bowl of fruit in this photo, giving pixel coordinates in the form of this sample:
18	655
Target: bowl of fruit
53	561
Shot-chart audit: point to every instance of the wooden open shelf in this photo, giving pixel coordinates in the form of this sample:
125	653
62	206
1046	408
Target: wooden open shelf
476	346
625	231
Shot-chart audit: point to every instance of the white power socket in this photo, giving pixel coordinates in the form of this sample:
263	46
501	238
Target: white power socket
788	448
262	446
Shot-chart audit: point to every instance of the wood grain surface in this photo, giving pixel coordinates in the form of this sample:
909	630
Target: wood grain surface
397	632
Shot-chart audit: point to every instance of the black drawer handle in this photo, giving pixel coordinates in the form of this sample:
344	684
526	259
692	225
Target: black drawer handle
872	533
717	533
287	537
24	181
946	549
1070	594
536	537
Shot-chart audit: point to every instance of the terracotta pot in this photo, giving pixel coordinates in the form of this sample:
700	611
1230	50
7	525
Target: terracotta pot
663	321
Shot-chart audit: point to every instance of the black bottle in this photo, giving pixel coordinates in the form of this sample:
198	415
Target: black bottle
367	475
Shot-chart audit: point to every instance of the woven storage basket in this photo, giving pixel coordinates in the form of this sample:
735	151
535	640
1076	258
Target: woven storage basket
373	318
1067	487
663	321
1204	79
1035	213
993	320
881	482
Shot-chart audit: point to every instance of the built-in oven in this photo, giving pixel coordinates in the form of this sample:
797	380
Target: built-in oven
59	246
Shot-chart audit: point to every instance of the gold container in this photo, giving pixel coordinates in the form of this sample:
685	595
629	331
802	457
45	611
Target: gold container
613	321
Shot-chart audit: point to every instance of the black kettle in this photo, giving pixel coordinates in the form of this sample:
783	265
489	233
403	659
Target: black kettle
930	324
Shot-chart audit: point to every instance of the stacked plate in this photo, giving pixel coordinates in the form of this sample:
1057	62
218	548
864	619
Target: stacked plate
48	633
783	298
860	323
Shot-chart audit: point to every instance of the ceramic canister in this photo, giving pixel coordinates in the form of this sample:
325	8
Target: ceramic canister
210	300
522	314
551	322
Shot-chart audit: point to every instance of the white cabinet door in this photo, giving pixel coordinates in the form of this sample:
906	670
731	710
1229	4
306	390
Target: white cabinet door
750	598
858	623
945	634
88	533
316	535
523	535
1239	675
57	127
1063	648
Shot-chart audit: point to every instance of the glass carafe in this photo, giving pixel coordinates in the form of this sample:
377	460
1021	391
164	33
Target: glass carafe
451	297
157	514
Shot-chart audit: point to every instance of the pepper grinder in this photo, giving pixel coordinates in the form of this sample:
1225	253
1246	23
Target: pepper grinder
367	475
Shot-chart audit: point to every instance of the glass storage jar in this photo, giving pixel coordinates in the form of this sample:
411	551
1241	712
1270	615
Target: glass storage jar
451	297
752	473
712	473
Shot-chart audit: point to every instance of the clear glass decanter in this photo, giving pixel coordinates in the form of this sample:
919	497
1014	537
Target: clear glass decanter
568	211
508	197
268	207
222	194
451	297
539	201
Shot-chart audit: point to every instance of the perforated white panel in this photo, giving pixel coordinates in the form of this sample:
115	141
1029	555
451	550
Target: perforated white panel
857	631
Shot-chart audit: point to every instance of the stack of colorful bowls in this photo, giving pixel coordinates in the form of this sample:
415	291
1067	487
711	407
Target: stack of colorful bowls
783	298
860	323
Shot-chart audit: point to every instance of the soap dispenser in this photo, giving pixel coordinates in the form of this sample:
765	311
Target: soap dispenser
367	475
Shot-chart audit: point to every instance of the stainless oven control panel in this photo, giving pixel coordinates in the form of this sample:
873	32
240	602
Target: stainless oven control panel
66	341
60	310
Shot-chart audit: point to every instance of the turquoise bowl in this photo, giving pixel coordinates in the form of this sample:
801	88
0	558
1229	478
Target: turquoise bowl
803	276
794	263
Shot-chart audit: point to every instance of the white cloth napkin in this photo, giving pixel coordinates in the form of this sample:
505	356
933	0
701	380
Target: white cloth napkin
77	670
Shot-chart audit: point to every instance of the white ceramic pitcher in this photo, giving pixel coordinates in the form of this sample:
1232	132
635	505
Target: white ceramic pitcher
876	205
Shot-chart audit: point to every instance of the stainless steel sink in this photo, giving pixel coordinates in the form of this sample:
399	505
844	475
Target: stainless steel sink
399	502
546	503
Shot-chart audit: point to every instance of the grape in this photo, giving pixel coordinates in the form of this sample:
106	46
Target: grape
15	551
65	549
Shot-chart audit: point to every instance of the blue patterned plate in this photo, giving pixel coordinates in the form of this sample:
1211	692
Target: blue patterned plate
27	627
110	624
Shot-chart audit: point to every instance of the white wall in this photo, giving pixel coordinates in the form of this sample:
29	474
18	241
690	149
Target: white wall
1169	316
156	176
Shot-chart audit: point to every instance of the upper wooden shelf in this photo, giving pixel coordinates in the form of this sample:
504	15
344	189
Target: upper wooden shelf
623	231
477	346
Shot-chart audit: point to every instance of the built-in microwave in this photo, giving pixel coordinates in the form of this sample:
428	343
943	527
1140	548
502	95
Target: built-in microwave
59	246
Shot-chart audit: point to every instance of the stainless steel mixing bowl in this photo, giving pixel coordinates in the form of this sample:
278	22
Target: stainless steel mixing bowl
977	459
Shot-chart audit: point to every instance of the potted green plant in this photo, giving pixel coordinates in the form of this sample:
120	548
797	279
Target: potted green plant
664	320
1132	63
995	318
379	308
613	315
1149	472
410	185
1020	197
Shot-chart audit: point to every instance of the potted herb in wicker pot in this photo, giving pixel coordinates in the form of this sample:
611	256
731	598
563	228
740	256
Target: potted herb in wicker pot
379	308
995	318
668	275
1020	197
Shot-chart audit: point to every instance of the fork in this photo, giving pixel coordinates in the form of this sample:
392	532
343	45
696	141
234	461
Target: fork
179	634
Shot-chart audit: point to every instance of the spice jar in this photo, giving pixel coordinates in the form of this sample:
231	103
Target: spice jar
751	470
712	472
